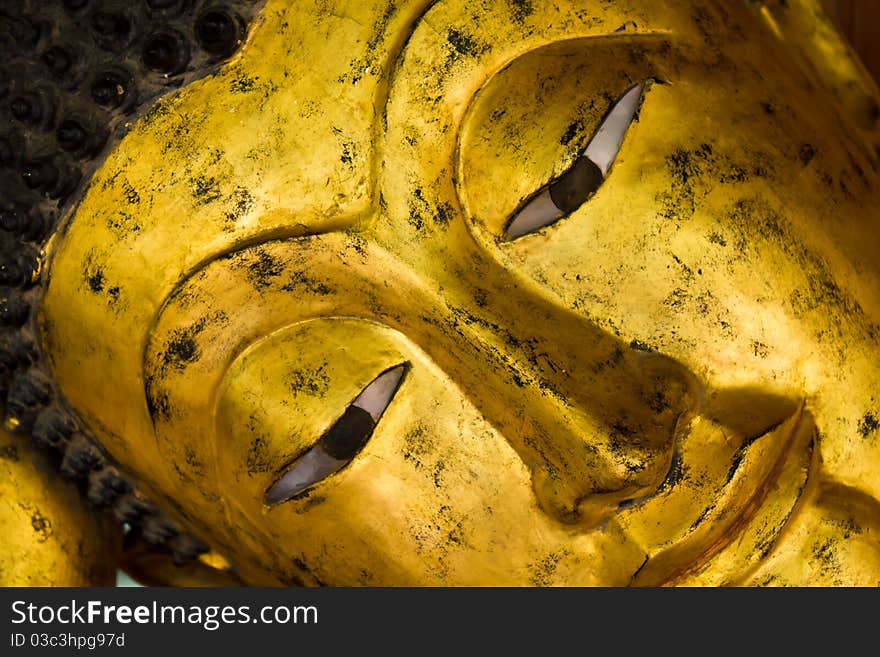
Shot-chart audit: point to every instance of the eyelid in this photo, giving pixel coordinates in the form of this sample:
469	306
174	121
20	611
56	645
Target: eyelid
343	441
572	188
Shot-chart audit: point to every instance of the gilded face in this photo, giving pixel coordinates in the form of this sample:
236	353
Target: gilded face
504	293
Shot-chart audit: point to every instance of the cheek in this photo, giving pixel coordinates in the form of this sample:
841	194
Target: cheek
435	495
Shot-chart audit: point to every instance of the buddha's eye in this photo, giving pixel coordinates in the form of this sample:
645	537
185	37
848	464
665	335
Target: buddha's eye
569	191
343	440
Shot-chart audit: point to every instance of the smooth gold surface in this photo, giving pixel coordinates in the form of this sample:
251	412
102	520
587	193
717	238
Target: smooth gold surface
676	384
50	536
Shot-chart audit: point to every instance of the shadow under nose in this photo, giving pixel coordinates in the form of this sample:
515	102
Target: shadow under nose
748	411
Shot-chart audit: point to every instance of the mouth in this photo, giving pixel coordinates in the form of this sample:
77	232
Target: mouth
723	504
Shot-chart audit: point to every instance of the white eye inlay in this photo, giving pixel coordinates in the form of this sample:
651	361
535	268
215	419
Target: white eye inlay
570	190
314	465
375	397
603	147
343	441
537	213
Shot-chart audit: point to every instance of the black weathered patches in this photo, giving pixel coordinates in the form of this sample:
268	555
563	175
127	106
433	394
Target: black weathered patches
717	238
754	217
194	463
181	348
261	271
659	402
437	474
158	110
123	224
824	552
158	403
258	456
311	381
684	166
349	151
543	570
417	446
706	24
868	425
676	473
242	83
416	219
302	281
310	500
573	130
348	154
612	361
204	190
95	280
421	211
462	45
9	453
182	474
444	212
692	171
241	202
178	137
372	61
760	349
131	194
676	298
521	9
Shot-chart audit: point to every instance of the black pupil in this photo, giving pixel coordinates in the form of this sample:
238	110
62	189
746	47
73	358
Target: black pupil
576	185
349	434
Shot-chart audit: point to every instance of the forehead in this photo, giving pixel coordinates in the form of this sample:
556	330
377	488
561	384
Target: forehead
284	141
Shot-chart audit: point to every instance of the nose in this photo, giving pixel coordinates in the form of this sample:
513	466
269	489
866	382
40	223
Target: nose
594	418
622	441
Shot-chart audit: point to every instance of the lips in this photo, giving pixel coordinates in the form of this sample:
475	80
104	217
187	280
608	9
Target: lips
696	532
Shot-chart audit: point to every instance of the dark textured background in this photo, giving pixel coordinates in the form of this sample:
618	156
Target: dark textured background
860	22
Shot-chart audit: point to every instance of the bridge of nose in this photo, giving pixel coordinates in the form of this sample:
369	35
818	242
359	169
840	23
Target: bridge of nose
587	412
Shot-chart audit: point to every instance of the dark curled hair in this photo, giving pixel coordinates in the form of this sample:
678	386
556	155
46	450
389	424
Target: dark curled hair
73	74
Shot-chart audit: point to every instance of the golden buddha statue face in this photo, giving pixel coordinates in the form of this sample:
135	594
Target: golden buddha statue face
528	292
